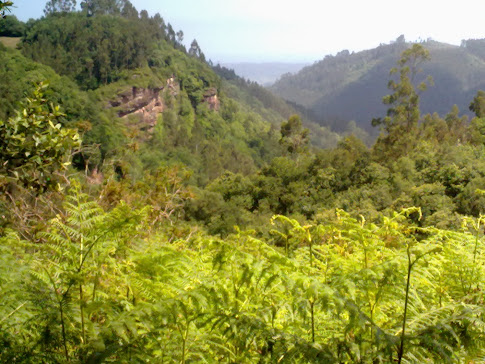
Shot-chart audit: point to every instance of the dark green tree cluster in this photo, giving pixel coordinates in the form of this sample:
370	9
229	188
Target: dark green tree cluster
97	44
11	27
91	50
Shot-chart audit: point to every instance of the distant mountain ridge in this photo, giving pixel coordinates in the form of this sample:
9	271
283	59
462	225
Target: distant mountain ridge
264	73
348	86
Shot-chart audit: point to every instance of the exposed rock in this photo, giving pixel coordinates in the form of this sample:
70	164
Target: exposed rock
210	96
171	83
144	102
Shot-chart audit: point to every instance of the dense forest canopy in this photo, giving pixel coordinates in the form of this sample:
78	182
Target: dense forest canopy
155	207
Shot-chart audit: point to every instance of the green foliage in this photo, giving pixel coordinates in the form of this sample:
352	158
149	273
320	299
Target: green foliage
195	50
110	291
293	137
91	50
19	77
403	115
10	26
35	146
101	7
478	104
59	6
5	7
125	267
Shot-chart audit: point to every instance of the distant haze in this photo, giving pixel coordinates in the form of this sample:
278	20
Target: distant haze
264	73
305	30
349	86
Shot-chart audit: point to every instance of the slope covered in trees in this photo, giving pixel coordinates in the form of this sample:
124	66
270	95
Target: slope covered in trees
170	213
327	86
118	58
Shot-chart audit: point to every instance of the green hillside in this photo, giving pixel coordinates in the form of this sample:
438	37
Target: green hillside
327	87
150	95
155	208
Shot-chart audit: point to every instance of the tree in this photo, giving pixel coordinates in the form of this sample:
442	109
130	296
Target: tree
129	11
294	137
478	104
403	114
59	6
170	33
96	7
144	15
180	36
195	51
11	27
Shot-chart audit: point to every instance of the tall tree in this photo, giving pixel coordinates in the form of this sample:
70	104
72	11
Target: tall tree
128	10
170	33
195	51
59	6
96	7
180	36
478	104
403	113
144	15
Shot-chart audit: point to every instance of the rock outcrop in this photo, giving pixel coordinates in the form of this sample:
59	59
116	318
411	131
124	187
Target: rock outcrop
148	103
211	98
144	102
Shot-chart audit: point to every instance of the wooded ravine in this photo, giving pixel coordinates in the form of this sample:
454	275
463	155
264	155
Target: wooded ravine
158	208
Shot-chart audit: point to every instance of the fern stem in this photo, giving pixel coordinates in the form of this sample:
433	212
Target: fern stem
312	313
13	312
63	328
81	306
475	251
311	249
406	300
60	299
95	286
286	246
184	341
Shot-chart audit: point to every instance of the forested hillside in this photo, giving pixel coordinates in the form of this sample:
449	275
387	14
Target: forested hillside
155	208
326	87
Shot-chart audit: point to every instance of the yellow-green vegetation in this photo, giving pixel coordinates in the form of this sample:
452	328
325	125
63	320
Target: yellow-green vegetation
10	42
155	209
112	287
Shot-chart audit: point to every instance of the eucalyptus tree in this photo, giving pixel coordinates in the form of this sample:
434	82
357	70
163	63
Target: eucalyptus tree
403	114
59	6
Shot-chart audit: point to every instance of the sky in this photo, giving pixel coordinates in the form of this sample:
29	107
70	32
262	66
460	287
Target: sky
304	30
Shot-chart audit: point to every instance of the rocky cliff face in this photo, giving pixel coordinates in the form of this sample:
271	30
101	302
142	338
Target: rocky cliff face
147	103
144	102
211	98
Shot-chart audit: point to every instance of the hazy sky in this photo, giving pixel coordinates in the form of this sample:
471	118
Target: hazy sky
304	30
